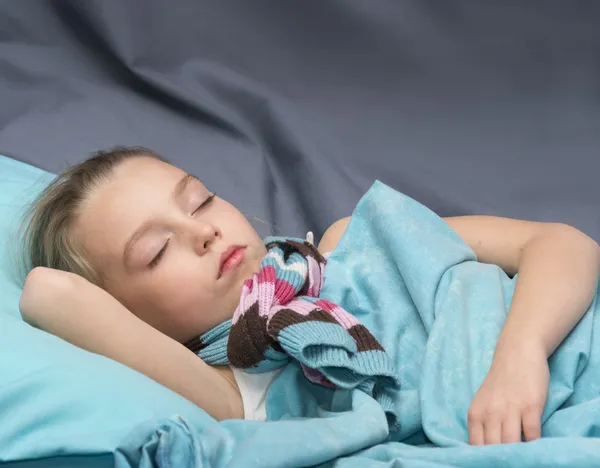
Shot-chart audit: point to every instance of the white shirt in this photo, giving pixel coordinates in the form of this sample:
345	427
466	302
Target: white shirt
254	388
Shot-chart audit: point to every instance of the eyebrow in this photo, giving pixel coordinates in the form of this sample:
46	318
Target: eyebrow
183	184
178	191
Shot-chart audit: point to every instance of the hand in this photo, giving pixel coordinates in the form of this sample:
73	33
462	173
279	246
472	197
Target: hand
511	399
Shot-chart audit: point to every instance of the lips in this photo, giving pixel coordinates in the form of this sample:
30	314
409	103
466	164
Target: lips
231	258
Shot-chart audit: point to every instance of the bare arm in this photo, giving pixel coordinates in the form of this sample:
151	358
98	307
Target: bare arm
558	270
75	310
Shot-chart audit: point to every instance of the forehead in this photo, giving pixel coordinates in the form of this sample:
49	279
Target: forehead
141	170
137	189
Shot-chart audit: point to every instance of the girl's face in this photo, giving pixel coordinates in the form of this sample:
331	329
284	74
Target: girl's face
166	248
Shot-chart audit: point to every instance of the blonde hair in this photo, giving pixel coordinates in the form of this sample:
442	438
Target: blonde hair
46	231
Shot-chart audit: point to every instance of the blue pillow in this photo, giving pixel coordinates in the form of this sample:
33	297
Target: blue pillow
19	183
57	400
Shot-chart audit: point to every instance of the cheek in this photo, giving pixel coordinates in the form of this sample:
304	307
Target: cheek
177	302
234	222
184	289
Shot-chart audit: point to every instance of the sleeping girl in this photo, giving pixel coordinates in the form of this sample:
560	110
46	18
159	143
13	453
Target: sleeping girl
130	257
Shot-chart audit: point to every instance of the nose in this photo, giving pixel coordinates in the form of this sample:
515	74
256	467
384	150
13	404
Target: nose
204	235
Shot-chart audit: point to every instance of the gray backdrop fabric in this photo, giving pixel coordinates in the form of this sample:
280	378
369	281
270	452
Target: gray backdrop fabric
291	109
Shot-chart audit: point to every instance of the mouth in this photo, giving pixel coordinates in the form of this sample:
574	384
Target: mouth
231	258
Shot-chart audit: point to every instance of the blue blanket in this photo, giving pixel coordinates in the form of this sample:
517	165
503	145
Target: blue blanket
419	288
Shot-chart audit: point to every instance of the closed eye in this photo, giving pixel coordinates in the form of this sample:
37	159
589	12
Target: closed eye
159	255
205	203
155	261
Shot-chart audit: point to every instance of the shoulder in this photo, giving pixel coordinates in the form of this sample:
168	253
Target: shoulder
333	234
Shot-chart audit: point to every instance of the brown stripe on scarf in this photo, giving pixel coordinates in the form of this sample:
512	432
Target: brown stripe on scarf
248	340
308	250
195	345
286	317
365	341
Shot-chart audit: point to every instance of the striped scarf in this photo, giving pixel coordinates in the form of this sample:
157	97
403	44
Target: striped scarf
281	318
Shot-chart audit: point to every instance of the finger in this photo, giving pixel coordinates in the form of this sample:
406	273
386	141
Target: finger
492	431
511	428
476	433
532	424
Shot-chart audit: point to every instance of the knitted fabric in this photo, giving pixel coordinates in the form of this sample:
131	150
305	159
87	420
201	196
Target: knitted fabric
281	318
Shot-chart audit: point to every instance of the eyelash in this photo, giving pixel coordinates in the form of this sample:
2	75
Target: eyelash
210	198
159	255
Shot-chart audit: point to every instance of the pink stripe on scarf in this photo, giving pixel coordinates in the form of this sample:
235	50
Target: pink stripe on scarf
284	292
315	277
341	316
